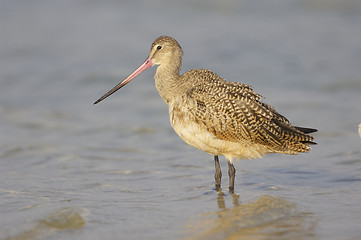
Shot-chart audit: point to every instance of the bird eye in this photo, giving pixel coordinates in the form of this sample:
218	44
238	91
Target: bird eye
159	47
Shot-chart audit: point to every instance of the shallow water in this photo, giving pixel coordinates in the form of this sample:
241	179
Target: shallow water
71	170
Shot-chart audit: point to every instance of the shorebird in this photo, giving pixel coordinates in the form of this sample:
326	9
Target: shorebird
218	116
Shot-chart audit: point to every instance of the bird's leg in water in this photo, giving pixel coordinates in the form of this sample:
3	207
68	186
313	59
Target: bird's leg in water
232	174
218	174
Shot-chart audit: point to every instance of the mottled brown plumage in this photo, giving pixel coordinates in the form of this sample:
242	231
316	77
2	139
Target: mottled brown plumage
233	112
217	116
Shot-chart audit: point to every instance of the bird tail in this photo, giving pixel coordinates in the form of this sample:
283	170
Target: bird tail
306	130
297	139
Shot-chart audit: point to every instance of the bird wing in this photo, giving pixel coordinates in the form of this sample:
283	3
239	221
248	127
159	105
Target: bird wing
233	111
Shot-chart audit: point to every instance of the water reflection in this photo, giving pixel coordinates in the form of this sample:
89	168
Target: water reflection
267	217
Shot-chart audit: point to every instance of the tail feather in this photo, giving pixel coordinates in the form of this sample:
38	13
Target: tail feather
306	130
296	139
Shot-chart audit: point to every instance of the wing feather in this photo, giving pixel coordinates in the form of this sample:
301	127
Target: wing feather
233	112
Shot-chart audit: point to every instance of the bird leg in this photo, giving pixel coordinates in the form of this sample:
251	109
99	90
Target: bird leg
218	173
232	174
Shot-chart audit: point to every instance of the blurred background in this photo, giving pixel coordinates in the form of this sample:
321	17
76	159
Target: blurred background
116	170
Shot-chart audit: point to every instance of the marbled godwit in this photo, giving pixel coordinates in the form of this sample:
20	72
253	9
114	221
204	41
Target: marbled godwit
216	116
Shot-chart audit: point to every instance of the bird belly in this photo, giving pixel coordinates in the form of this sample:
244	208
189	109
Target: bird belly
197	135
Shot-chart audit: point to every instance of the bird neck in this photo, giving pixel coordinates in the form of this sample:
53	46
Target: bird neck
167	82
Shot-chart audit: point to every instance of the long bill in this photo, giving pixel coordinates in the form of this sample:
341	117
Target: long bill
146	64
